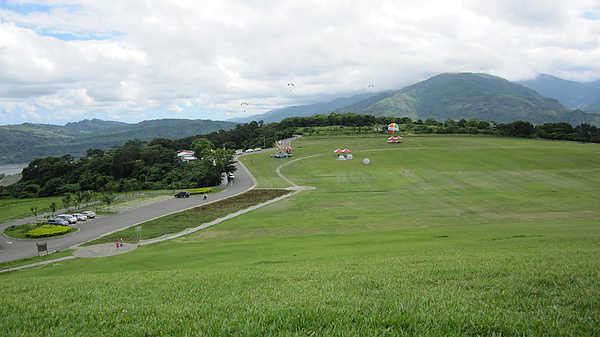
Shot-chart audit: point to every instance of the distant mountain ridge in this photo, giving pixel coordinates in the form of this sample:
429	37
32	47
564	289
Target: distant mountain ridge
457	96
25	142
573	95
470	95
305	110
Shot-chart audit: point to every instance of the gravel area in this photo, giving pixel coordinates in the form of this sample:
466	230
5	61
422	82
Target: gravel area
102	250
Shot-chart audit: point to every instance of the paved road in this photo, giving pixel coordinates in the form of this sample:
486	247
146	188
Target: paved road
11	249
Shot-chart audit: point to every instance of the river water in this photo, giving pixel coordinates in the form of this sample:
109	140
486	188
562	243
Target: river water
10	169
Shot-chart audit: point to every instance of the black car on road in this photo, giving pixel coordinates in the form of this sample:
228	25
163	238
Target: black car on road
182	194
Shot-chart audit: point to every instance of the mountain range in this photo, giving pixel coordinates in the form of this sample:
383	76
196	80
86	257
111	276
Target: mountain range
469	95
546	99
25	142
573	95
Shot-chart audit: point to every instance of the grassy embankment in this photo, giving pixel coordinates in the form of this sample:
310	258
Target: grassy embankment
437	236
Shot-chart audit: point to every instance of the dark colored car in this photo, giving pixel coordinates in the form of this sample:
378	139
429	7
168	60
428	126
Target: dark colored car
57	222
183	194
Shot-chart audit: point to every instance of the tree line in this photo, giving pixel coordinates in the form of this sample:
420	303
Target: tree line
138	165
153	165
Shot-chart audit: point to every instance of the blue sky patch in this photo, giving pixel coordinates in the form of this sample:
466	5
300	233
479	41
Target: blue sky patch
25	8
79	36
591	15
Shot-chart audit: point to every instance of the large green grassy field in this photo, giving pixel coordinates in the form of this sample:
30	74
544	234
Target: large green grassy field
437	236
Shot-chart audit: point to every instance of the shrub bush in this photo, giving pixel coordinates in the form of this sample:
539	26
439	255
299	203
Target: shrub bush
48	230
201	190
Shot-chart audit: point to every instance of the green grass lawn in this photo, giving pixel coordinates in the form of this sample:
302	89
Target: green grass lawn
439	235
21	208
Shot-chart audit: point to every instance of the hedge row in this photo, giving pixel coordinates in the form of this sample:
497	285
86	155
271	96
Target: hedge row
48	230
200	190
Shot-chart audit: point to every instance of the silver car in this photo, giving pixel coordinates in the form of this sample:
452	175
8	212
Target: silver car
57	222
80	217
68	218
89	214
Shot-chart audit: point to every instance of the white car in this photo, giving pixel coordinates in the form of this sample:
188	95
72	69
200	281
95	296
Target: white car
68	218
80	217
250	150
89	214
257	149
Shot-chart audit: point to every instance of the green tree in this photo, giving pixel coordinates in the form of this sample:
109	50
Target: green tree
52	187
66	200
201	144
34	210
30	191
53	207
216	162
94	153
108	197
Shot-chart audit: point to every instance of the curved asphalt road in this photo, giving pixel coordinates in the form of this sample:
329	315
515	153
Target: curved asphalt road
12	249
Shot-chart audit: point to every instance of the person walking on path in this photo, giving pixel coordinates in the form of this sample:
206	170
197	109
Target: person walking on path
118	244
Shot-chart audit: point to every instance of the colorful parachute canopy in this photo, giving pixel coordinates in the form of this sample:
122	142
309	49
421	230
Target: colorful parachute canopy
243	103
292	84
394	139
393	128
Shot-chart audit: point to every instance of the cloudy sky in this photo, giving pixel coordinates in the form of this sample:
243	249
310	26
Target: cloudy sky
133	60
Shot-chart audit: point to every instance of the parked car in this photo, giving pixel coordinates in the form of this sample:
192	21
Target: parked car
80	216
89	214
182	194
57	222
67	217
238	152
231	176
257	149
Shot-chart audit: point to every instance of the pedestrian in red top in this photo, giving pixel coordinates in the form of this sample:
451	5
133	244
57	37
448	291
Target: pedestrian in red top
118	244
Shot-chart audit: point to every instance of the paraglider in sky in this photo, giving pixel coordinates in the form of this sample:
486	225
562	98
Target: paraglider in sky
233	89
242	104
370	86
290	85
393	128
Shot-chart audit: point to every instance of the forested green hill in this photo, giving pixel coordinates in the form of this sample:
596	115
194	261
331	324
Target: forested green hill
24	142
467	96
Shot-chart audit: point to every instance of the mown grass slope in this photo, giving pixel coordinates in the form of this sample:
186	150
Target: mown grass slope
454	236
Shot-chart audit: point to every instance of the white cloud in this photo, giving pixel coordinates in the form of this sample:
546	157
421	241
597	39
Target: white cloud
135	59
